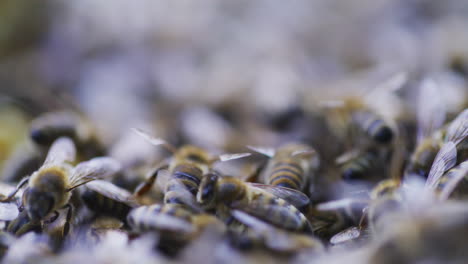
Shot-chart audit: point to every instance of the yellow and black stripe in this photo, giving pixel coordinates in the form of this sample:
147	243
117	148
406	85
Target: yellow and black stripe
374	126
185	176
359	167
287	173
103	205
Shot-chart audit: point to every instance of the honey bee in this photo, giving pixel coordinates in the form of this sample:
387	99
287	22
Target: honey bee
289	166
276	239
275	205
105	198
454	183
185	171
431	134
357	165
49	188
176	225
360	115
48	127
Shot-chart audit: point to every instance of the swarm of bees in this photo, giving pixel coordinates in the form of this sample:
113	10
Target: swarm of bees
390	189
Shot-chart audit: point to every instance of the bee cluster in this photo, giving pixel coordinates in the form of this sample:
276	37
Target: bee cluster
343	181
235	132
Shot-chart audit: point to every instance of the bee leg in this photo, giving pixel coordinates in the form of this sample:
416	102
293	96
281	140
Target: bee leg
66	227
18	187
145	186
254	174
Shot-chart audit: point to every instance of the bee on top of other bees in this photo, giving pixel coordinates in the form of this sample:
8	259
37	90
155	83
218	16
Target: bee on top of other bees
50	126
180	176
291	165
366	113
432	134
49	188
273	204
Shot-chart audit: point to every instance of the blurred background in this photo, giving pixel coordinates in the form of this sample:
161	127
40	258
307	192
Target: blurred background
162	64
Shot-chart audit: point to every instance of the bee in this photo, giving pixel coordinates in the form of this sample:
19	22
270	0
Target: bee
446	179
289	166
357	165
176	225
184	173
49	188
360	115
431	134
275	205
275	239
48	127
105	198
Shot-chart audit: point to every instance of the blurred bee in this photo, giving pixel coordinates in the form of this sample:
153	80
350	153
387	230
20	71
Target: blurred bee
446	180
261	234
176	225
104	198
362	114
431	135
185	171
289	166
356	164
48	127
275	205
49	188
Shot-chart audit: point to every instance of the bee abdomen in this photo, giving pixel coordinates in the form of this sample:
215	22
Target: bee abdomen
287	174
374	126
190	176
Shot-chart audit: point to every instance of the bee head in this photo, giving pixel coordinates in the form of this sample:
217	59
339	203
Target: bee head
384	135
206	194
38	204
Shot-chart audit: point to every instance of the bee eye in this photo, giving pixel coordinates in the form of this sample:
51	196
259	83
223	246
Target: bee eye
352	174
39	137
384	135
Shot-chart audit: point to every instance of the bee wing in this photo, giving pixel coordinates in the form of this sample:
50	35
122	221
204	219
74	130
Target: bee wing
97	168
294	197
232	156
269	152
162	179
457	131
431	109
339	204
62	150
445	160
154	140
453	181
389	86
251	221
303	153
169	222
113	192
8	211
347	156
346	235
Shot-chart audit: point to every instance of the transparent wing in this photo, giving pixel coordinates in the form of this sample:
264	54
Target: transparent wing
346	235
457	131
347	156
184	196
251	221
452	183
391	85
162	179
62	150
153	140
233	156
445	160
340	204
431	109
113	192
269	152
304	153
295	198
8	211
97	168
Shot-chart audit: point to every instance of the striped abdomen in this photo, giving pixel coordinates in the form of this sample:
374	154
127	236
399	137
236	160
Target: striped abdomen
277	212
184	178
374	126
288	174
101	204
144	218
359	167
